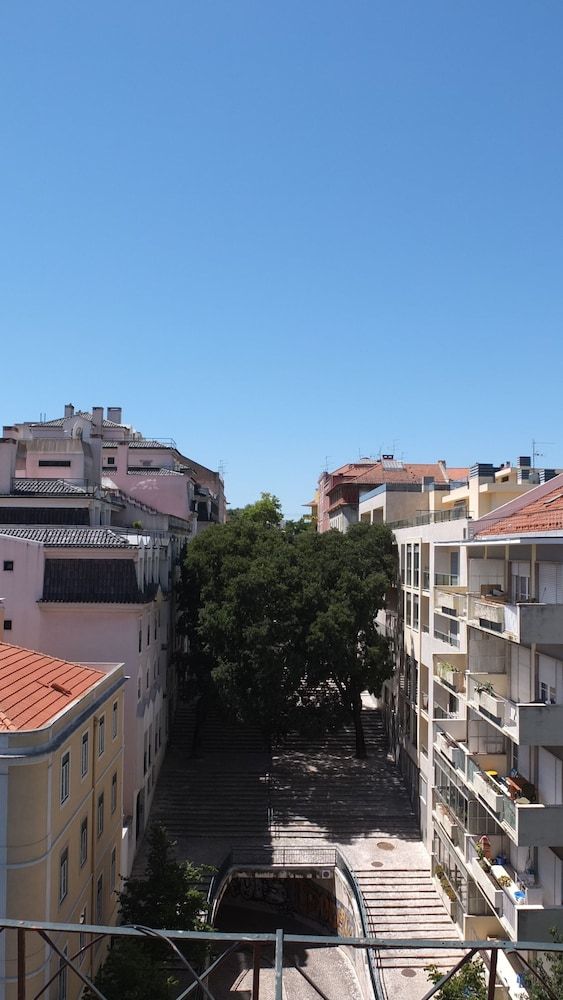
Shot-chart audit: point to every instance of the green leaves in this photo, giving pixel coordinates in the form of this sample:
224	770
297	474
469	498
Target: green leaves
283	622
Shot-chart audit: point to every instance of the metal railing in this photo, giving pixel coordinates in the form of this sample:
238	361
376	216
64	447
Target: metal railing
431	517
230	941
449	637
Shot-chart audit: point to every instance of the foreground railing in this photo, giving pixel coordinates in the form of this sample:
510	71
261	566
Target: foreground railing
258	943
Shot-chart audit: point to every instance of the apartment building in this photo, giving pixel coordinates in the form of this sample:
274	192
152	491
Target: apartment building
61	782
94	519
337	499
475	707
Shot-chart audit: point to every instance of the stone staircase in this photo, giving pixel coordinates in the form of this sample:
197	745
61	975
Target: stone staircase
403	903
310	792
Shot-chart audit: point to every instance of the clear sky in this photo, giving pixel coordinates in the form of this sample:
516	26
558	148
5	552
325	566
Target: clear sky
286	232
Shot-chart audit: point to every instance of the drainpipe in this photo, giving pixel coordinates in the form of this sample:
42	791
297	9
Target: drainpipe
93	842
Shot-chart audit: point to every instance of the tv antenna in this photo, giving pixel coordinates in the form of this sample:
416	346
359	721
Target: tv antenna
535	452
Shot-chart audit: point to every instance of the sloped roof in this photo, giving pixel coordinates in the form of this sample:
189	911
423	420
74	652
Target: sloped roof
391	471
45	486
92	581
543	514
77	537
35	687
59	421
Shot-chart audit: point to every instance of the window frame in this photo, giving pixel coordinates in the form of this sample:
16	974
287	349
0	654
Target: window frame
63	875
100	815
101	734
85	753
83	841
65	777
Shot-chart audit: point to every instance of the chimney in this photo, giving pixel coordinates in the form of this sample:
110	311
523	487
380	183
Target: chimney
97	419
69	410
114	413
8	452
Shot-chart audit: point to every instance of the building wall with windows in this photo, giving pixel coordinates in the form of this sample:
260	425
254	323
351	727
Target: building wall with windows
61	785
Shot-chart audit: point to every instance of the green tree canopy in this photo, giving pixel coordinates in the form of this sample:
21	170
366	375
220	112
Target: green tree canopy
467	984
167	897
267	510
549	966
282	624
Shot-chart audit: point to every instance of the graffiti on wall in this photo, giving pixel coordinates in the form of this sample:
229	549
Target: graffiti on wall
300	897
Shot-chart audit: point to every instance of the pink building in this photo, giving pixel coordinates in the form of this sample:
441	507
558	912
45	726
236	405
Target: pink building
93	522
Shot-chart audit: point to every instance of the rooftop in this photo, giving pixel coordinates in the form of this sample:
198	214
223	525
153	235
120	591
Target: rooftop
45	486
545	513
35	687
77	537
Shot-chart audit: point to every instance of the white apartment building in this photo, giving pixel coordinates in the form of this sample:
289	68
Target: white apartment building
476	707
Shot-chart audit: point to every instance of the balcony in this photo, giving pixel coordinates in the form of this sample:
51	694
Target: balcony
451	638
451	675
446	579
536	724
486	694
524	623
511	894
451	750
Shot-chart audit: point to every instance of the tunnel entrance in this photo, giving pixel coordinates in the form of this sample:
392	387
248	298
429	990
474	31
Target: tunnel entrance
304	903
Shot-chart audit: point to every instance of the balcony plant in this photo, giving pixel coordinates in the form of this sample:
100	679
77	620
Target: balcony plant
504	881
485	688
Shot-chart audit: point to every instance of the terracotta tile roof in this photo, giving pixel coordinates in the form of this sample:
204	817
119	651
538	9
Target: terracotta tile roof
456	475
35	687
76	537
543	514
378	473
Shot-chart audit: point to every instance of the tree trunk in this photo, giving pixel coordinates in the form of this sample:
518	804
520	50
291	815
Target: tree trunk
356	696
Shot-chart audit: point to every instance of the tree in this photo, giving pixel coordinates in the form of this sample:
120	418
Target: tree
267	510
167	897
281	624
549	965
467	984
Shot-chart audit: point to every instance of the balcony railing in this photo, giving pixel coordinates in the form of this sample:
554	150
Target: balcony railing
450	637
446	579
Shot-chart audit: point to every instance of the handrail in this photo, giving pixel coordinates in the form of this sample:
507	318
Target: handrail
373	956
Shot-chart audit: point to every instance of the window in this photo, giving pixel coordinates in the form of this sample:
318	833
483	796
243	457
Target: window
416	564
408	607
409	565
155	626
8	565
83	936
112	870
145	755
100	899
63	875
50	463
100	814
148	633
63	970
114	792
84	754
7	624
140	640
101	735
150	745
110	460
147	680
65	776
83	841
415	611
114	721
139	685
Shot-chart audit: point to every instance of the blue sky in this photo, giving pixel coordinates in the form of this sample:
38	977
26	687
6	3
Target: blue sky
281	231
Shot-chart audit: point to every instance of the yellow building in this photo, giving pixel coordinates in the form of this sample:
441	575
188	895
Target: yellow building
61	815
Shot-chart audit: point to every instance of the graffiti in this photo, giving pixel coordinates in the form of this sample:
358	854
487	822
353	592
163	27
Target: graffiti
298	896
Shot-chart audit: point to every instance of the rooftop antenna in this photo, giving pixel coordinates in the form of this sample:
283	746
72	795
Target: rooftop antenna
326	462
535	452
221	468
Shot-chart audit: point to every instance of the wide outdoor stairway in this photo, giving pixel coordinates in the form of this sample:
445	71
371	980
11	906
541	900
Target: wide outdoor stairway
310	793
403	903
321	791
